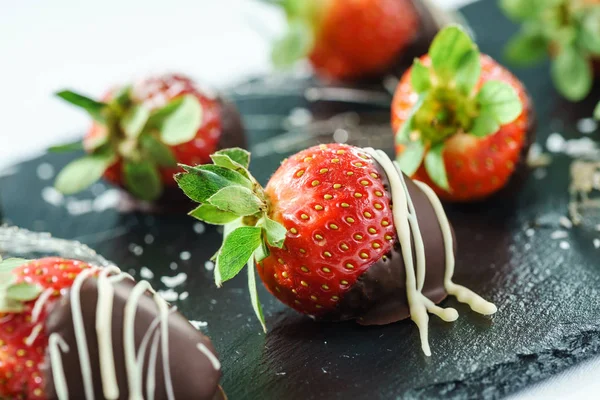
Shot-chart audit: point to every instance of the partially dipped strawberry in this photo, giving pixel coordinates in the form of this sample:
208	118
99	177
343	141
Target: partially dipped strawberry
60	319
331	235
347	39
463	123
140	133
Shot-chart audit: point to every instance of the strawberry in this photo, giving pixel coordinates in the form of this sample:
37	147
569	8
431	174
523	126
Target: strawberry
23	342
347	39
324	238
463	122
40	349
140	133
565	30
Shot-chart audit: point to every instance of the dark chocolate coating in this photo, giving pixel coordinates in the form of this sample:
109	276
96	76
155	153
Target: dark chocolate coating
192	374
379	295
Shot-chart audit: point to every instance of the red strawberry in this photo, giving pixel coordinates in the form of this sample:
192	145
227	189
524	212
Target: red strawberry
347	39
142	131
463	122
325	238
23	341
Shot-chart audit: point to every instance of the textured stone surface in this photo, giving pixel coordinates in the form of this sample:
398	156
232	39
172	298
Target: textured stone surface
548	297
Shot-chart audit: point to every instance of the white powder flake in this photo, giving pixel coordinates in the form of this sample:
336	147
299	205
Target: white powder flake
169	295
53	196
146	273
209	265
149	239
558	234
185	255
587	125
530	232
198	324
45	171
564	245
184	295
199	228
597	243
173	266
174	281
565	222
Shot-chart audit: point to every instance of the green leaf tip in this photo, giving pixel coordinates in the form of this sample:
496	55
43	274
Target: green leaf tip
434	164
95	109
597	111
451	51
179	121
296	44
83	172
572	74
143	180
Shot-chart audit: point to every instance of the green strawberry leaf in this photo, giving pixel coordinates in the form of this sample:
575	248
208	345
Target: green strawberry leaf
181	123
254	294
590	31
520	10
275	231
223	160
403	134
8	264
410	159
121	99
67	147
213	215
526	47
240	156
420	77
158	152
447	51
134	120
434	165
484	124
237	249
237	200
572	74
468	72
201	182
95	109
499	100
294	45
142	180
23	292
597	112
83	172
262	252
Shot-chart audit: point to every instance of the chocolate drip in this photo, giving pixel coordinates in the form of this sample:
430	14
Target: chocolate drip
193	375
379	295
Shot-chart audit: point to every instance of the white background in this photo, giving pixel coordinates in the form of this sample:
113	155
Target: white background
90	45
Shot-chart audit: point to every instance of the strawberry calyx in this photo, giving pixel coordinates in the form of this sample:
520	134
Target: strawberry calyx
303	17
230	196
133	133
450	103
13	294
567	30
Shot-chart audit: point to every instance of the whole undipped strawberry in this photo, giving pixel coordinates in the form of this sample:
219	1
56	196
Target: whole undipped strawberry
23	341
140	133
463	123
347	39
323	235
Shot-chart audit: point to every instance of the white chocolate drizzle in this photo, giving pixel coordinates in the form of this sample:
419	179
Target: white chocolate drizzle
408	232
134	363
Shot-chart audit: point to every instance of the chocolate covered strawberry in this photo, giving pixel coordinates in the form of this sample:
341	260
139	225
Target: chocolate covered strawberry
71	330
332	235
463	123
347	39
568	31
140	133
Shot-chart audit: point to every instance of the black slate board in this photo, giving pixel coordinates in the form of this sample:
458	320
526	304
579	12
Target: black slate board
548	297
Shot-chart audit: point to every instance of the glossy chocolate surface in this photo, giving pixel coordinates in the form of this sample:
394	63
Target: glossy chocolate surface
193	375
